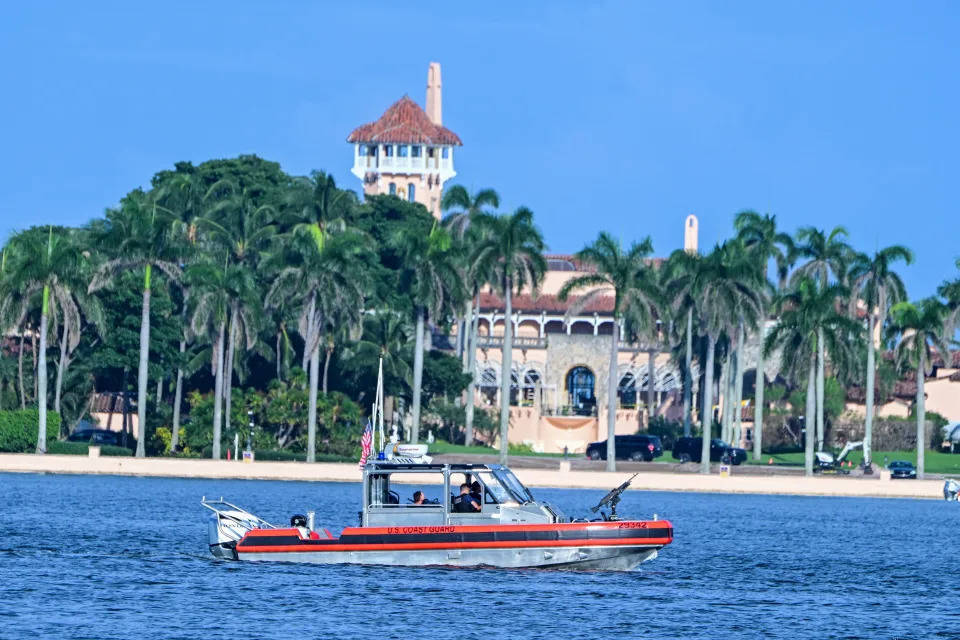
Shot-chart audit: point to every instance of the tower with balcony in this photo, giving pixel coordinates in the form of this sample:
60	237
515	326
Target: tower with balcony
407	152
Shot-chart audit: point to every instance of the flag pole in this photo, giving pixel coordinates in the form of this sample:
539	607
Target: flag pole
383	444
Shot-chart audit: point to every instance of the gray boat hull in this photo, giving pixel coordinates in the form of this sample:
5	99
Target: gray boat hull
613	558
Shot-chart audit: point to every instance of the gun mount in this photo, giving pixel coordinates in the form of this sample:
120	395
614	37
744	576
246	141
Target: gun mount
611	500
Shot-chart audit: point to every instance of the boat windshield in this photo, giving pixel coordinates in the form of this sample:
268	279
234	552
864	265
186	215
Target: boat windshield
520	493
494	489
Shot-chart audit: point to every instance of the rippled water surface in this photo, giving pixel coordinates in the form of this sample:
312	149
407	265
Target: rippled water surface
111	557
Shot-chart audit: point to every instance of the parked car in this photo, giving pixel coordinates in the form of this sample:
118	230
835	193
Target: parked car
96	436
690	450
902	469
628	448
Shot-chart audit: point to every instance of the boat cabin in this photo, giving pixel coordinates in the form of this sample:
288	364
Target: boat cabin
387	498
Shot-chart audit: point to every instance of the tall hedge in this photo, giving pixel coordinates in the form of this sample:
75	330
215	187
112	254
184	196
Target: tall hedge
18	430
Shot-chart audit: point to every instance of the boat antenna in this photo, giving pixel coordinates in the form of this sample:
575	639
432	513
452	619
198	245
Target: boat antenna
611	500
378	415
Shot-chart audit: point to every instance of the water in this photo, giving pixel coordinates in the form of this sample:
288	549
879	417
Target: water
110	557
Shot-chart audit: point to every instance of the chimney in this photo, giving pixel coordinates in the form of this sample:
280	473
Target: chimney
691	229
434	99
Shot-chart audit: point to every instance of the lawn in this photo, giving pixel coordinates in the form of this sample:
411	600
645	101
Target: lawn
935	461
441	446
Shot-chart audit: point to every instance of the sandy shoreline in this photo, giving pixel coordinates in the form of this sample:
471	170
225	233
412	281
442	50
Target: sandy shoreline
345	472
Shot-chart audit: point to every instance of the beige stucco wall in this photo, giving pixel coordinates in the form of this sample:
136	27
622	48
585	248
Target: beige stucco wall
428	195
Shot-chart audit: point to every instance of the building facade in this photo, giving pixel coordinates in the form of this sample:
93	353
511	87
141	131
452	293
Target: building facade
407	152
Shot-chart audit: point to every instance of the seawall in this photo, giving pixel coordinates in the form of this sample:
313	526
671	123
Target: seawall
346	472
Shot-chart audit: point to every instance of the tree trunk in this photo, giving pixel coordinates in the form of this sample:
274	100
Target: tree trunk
177	399
921	415
738	389
809	419
651	384
707	419
820	383
612	384
34	363
312	404
505	371
228	371
724	393
23	392
326	367
124	409
472	385
871	381
159	396
61	365
688	377
417	376
42	375
143	367
760	381
279	362
467	338
218	391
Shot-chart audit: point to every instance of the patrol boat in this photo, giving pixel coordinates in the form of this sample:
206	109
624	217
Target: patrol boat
511	529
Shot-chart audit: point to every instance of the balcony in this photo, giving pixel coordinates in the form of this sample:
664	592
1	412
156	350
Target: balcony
397	164
496	342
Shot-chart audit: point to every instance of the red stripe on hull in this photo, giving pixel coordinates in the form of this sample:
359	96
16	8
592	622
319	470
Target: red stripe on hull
635	542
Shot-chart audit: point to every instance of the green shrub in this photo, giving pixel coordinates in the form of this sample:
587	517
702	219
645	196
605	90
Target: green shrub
83	448
667	430
521	449
18	430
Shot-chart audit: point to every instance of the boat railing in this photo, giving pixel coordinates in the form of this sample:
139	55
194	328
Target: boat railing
232	512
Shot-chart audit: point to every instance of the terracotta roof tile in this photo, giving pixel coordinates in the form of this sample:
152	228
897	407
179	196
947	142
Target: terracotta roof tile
404	123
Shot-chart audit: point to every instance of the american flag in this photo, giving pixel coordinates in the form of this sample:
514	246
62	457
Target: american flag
366	442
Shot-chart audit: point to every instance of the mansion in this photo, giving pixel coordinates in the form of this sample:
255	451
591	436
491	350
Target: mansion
560	365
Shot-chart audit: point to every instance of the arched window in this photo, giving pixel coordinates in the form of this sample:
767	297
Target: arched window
627	390
411	192
489	383
580	383
393	188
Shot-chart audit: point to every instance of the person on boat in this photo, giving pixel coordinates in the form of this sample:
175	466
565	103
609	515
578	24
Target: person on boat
476	492
465	503
419	498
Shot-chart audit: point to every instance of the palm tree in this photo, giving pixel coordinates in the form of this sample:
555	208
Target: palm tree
326	283
183	194
629	278
511	251
725	292
919	329
876	283
41	271
431	278
462	207
808	314
235	227
319	207
138	235
386	336
210	301
827	254
673	272
760	236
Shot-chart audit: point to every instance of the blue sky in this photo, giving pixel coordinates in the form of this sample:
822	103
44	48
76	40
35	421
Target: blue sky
623	116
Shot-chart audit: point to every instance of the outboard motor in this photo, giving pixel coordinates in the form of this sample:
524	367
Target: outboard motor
951	490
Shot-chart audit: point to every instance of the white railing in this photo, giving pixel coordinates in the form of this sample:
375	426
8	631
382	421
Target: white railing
407	163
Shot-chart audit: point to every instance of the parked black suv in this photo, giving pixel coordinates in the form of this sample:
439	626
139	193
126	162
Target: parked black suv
690	450
96	436
629	448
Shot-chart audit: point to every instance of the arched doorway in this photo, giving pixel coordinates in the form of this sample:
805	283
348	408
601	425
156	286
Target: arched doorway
580	391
